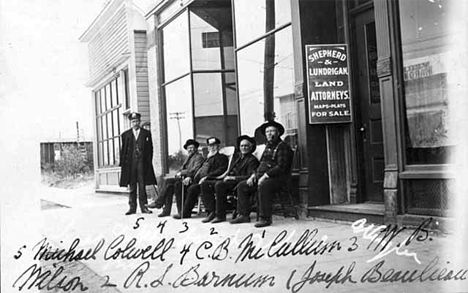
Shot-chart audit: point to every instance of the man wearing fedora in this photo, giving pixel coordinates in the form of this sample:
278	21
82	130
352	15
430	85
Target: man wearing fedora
214	165
184	175
270	176
136	155
243	165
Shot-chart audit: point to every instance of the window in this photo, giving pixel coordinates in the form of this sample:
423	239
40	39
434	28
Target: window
179	120
176	48
126	86
211	39
213	92
430	75
108	122
255	18
265	67
199	81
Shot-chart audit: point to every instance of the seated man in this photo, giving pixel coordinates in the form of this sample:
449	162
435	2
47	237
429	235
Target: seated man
171	185
243	165
271	175
214	165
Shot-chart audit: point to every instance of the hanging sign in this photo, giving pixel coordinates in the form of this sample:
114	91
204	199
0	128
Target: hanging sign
328	84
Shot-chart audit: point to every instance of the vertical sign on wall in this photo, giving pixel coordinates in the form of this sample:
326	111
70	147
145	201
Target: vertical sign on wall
328	84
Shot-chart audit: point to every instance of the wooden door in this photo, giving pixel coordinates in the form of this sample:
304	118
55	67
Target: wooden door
367	103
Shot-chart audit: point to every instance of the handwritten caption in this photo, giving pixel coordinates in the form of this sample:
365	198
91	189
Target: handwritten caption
366	254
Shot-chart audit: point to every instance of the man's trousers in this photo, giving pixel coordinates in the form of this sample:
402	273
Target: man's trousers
171	186
219	203
191	194
137	181
266	192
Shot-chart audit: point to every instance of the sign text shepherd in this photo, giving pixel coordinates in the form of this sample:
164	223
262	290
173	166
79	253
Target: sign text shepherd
328	84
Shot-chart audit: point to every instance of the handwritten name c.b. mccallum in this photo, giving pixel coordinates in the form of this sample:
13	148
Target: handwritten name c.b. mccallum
306	244
116	249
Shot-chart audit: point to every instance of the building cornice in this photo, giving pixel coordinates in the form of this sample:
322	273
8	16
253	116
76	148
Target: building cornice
157	7
105	14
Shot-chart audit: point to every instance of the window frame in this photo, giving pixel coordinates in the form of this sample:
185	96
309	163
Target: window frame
105	137
269	104
411	171
163	83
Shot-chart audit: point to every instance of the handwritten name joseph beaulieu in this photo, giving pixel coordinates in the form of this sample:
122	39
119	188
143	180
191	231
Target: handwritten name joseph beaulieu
197	276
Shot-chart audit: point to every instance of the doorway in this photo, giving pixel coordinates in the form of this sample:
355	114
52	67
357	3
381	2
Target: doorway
368	123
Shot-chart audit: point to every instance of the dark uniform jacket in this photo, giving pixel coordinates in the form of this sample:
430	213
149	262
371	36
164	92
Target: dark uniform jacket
276	160
191	165
212	167
242	167
145	145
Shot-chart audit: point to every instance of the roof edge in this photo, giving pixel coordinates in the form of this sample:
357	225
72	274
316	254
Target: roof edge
108	10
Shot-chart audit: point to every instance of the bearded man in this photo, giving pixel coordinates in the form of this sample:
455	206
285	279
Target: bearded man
214	165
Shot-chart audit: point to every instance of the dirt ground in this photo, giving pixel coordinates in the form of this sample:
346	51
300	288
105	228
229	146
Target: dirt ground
53	180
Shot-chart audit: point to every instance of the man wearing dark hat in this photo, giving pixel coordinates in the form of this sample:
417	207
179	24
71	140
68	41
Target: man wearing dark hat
243	165
182	178
271	174
214	165
136	164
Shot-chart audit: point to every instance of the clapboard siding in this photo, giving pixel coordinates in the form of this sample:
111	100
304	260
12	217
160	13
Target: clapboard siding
142	87
110	50
141	70
102	41
143	103
114	28
108	46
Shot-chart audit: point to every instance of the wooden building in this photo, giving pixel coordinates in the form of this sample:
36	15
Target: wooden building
365	89
119	81
221	67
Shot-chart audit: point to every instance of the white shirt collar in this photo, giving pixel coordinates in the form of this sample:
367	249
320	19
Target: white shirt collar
136	133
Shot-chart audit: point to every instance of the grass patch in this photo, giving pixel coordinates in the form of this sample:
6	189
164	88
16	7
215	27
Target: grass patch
54	179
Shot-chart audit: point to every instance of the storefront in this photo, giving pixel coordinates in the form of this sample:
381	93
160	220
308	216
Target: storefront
222	67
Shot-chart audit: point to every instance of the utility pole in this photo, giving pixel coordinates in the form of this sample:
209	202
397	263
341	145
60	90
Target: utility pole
77	132
178	116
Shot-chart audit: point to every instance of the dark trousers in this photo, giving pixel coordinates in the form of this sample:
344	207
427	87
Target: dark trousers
266	192
245	194
211	187
190	198
169	188
137	181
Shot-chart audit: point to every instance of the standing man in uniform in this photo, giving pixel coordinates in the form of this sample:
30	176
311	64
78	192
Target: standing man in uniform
272	173
136	156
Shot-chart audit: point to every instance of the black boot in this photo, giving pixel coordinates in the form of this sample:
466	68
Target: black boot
209	218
